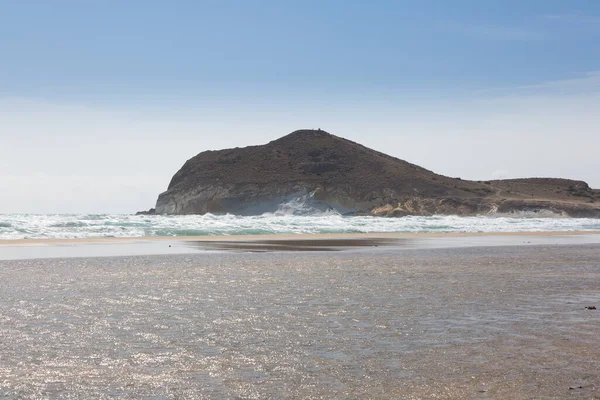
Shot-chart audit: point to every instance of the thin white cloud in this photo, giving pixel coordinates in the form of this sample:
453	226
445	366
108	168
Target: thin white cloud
585	83
501	32
573	18
588	83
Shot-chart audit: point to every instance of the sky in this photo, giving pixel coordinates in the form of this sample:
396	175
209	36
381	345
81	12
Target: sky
101	102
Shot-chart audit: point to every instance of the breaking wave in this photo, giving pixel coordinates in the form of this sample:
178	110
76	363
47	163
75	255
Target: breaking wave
304	205
288	219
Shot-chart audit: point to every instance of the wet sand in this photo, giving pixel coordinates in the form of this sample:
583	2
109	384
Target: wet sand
105	247
311	236
470	322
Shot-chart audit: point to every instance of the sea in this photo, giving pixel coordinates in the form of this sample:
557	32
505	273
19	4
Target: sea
70	226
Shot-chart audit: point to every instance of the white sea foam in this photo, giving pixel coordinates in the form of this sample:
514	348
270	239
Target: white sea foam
22	226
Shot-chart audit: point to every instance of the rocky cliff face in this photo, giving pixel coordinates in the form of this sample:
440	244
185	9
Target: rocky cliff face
322	171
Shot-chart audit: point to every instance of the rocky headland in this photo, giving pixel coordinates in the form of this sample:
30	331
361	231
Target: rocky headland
312	170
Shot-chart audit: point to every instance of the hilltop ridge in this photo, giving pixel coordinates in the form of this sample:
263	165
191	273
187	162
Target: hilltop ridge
328	172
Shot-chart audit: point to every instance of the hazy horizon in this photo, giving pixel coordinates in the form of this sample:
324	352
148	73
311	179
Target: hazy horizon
101	103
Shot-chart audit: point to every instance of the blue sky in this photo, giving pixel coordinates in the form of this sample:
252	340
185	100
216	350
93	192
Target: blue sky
170	79
130	50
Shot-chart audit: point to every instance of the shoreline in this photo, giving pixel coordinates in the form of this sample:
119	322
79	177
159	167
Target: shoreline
290	237
24	249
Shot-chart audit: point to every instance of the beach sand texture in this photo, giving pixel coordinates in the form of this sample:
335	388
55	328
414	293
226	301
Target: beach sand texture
481	323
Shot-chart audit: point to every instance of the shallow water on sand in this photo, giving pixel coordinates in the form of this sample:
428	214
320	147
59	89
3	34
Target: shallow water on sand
447	323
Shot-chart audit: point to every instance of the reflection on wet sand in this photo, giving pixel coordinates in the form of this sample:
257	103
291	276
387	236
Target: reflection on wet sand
294	244
454	323
112	247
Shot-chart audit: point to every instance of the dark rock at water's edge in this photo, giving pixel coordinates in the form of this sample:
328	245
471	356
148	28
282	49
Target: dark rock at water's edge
151	211
312	170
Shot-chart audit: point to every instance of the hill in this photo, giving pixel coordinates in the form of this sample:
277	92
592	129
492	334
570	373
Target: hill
312	170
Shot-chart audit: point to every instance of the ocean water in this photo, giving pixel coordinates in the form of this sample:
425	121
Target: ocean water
61	226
